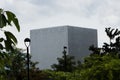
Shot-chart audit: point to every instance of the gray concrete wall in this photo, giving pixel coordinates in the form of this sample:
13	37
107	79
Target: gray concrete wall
47	44
79	40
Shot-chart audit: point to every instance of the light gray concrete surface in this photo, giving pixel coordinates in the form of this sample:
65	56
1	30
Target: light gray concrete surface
79	41
47	43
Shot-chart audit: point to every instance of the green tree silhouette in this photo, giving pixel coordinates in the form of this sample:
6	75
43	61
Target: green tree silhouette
66	63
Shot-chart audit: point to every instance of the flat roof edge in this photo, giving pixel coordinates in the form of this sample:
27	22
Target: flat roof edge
68	26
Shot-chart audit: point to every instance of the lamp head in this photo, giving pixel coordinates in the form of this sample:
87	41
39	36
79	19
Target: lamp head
65	47
27	42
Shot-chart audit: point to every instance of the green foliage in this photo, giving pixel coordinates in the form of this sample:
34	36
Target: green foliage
7	41
111	33
4	59
6	20
17	59
60	75
66	63
103	63
101	68
17	70
113	46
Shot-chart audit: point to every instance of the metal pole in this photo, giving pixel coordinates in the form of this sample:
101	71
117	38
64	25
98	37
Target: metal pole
27	44
65	57
28	63
65	61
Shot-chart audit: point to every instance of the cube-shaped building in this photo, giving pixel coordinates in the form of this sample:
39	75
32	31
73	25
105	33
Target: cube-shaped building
47	43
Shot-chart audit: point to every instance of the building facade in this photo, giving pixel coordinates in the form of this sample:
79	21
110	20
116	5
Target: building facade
47	43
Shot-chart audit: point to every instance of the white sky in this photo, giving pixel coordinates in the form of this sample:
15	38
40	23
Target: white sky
35	14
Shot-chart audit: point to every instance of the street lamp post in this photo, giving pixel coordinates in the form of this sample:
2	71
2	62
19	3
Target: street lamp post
64	52
27	44
65	59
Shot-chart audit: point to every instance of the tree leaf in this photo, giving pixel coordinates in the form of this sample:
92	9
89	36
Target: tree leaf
15	21
116	32
8	45
1	10
11	37
3	21
1	39
11	17
1	47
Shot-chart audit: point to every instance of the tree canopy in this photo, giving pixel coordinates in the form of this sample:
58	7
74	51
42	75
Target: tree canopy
8	40
66	63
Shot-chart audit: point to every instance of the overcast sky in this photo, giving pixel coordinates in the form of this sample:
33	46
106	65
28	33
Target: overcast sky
36	14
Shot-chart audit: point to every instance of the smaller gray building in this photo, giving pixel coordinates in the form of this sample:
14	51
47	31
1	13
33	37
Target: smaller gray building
47	43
